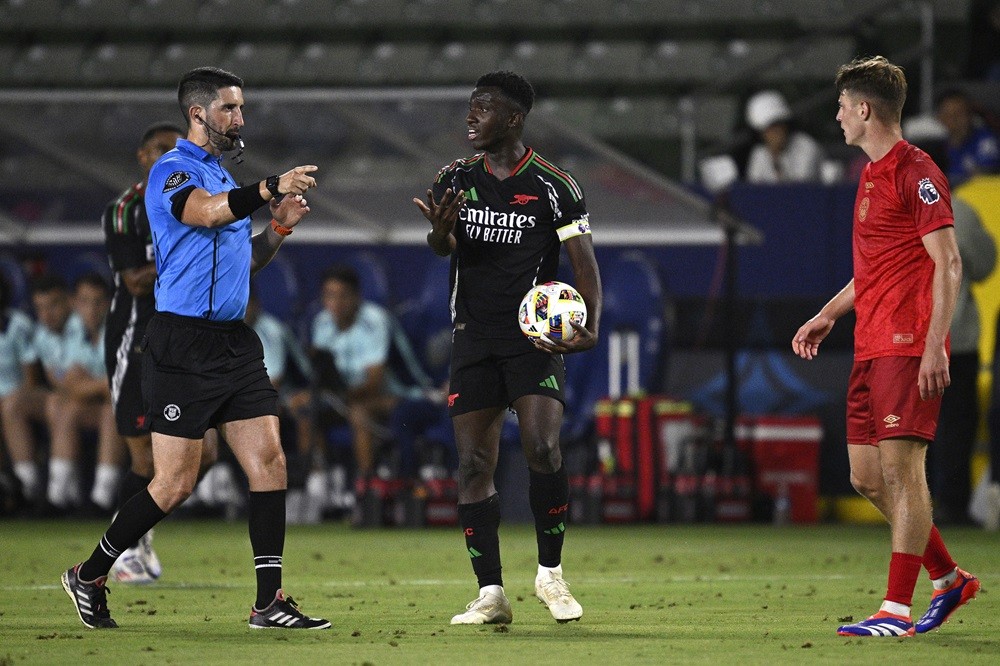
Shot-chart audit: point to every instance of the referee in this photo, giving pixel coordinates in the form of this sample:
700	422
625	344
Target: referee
202	366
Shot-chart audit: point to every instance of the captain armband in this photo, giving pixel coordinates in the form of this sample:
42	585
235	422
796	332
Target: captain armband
578	227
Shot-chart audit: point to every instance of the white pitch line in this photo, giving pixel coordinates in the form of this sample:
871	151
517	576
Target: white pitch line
431	582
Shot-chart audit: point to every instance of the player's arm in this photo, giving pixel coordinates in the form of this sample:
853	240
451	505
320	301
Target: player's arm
943	249
199	208
806	340
587	278
442	215
285	216
139	281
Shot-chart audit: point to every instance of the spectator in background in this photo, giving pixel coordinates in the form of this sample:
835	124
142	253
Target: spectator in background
949	459
359	335
16	332
81	399
51	302
281	346
973	147
784	154
984	40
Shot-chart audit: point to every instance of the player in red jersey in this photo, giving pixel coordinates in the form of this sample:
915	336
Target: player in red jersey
907	273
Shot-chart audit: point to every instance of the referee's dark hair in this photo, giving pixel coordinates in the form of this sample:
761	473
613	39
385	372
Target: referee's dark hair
343	274
157	127
200	86
514	86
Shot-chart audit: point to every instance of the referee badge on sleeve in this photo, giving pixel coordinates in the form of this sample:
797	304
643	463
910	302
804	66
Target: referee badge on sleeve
175	180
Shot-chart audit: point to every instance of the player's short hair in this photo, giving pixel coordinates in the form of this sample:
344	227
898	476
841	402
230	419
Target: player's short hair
47	283
344	274
513	86
200	86
94	279
156	128
879	82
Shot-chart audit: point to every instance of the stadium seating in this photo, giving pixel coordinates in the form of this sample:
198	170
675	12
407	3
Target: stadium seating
633	301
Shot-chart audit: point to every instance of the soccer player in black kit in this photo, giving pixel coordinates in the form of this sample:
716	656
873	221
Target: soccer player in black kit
129	244
503	215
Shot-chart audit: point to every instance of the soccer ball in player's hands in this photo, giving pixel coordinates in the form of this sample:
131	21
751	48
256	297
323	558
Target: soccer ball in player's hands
547	310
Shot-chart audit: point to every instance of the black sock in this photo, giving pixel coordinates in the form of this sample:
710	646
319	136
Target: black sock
267	538
131	485
134	519
481	523
548	495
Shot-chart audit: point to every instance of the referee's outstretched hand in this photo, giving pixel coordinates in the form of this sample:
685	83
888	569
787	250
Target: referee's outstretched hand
582	341
297	180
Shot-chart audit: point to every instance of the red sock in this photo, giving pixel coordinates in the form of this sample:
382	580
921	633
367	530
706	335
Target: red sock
937	559
904	570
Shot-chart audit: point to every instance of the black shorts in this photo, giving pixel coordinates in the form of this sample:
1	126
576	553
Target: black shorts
124	365
197	374
487	372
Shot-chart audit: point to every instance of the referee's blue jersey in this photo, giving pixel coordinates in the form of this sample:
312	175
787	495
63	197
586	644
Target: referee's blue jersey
202	272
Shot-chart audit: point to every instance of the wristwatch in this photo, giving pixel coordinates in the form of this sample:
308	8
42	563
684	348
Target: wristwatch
272	186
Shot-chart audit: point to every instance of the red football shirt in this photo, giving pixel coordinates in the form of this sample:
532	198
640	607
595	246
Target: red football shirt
901	197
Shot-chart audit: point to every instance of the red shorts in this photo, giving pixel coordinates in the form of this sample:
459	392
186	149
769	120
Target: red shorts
883	402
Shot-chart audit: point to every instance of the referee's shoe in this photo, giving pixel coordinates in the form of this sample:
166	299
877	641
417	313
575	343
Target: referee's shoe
283	613
90	599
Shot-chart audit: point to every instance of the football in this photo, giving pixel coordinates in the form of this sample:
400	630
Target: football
547	310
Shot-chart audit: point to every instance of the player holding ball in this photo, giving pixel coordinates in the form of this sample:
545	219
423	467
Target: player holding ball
503	215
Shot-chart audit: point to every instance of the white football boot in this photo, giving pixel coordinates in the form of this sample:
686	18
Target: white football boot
553	592
492	607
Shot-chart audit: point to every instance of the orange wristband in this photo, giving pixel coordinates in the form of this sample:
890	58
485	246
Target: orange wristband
280	230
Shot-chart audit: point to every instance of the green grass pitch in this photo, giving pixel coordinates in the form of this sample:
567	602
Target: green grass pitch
651	595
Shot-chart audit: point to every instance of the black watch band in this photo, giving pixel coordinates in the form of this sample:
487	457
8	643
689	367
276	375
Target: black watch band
272	186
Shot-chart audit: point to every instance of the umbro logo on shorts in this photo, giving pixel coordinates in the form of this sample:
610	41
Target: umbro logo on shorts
891	421
171	412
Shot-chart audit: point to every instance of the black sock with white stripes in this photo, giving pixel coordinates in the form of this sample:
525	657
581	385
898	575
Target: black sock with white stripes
136	517
267	538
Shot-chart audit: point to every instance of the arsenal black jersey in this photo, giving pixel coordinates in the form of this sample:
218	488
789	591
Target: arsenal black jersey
508	236
129	244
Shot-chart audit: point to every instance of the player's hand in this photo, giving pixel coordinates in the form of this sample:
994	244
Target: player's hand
806	341
290	210
934	376
583	340
443	214
297	180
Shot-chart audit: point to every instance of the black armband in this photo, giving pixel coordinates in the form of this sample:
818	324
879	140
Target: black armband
245	200
177	201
